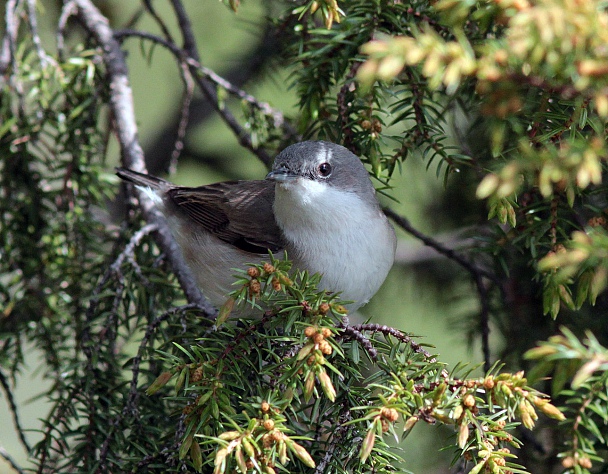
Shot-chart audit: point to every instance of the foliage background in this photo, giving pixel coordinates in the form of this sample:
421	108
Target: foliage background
426	287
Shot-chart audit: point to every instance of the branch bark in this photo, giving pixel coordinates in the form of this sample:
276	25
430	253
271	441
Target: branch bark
208	87
201	108
132	156
478	275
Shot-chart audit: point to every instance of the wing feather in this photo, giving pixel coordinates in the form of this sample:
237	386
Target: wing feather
237	212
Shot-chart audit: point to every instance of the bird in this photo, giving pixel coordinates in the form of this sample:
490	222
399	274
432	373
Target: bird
317	203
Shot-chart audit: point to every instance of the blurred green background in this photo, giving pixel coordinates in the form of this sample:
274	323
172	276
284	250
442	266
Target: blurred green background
409	299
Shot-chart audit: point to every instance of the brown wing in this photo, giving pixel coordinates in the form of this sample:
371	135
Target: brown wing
237	212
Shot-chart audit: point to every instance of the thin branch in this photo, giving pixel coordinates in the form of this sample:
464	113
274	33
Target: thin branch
68	10
7	457
186	29
14	412
121	103
477	273
209	89
179	53
31	12
135	17
182	125
207	79
350	332
405	224
161	23
278	117
386	330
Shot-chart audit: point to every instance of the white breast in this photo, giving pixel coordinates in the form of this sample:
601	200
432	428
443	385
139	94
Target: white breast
335	233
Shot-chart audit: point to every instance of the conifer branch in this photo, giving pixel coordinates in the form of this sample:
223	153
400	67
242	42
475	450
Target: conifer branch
121	101
209	89
10	398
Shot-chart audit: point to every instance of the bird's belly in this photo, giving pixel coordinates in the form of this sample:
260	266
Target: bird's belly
354	267
214	263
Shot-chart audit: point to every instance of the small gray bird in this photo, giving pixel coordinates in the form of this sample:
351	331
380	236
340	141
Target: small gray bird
317	203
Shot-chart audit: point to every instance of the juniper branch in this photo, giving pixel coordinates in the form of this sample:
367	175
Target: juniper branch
130	405
477	273
14	411
121	103
386	330
7	457
208	88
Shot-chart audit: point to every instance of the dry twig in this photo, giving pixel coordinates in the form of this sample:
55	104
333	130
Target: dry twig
121	103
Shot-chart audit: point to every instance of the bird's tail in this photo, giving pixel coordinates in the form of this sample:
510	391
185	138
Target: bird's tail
141	179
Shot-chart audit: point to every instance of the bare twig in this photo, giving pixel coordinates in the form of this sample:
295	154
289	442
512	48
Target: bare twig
7	457
13	408
186	29
31	13
349	332
172	47
68	10
130	407
477	273
278	117
160	22
387	330
184	116
121	102
208	88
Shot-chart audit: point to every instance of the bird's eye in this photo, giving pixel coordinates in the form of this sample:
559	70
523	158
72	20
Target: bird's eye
324	169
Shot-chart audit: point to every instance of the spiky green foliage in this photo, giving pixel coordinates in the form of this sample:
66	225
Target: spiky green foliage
300	388
538	73
583	365
510	95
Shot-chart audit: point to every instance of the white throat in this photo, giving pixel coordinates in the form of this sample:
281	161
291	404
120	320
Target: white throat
337	234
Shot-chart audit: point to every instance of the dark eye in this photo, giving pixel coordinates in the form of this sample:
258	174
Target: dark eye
324	169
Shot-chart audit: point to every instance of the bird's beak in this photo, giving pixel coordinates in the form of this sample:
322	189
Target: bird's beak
281	175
